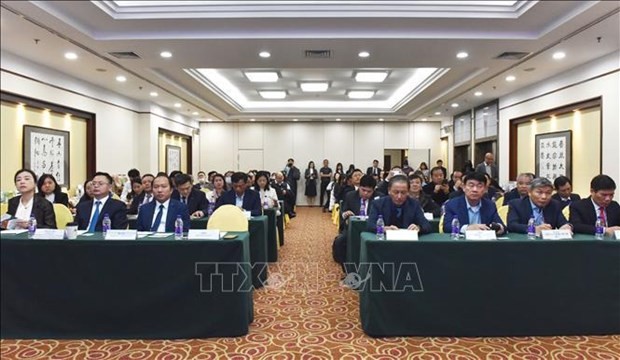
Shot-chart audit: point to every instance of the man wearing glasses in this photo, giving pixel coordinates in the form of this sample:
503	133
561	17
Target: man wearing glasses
90	214
474	211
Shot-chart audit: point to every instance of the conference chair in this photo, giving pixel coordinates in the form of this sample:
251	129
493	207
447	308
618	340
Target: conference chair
502	211
63	216
499	202
566	212
228	218
4	207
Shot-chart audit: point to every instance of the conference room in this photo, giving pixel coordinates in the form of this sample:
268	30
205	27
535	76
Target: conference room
245	151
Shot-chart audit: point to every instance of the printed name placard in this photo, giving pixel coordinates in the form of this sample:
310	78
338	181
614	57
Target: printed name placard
617	234
359	217
49	234
556	234
194	234
121	235
480	235
401	235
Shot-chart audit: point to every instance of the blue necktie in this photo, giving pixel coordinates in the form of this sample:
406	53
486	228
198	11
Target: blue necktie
158	218
538	219
93	222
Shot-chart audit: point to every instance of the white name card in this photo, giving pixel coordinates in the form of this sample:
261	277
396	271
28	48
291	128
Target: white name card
194	234
49	234
617	232
358	217
428	216
248	214
121	235
480	235
556	234
401	235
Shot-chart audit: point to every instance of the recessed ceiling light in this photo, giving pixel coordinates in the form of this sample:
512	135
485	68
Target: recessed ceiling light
272	94
209	119
380	119
338	119
195	113
121	78
486	108
264	54
363	54
454	105
461	119
424	119
438	113
462	55
360	94
371	76
262	76
559	55
70	56
177	105
295	119
154	94
510	78
314	86
165	54
478	93
252	119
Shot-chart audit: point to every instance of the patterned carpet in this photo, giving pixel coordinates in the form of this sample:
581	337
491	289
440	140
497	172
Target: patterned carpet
305	314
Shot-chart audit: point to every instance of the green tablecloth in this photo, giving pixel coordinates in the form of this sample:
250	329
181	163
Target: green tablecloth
258	227
272	237
515	287
140	289
354	230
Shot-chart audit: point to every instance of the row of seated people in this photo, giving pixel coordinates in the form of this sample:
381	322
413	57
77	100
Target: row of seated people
158	214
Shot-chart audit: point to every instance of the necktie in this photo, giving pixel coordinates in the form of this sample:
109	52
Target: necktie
183	200
538	218
363	208
147	199
601	214
93	221
158	218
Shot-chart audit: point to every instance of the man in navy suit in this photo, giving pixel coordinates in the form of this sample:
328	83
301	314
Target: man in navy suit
521	191
584	213
241	196
159	215
196	200
547	213
90	214
354	200
399	211
564	191
474	210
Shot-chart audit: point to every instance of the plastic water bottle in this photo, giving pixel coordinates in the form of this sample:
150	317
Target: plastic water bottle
106	224
531	229
178	228
380	228
456	229
210	208
32	226
266	203
599	229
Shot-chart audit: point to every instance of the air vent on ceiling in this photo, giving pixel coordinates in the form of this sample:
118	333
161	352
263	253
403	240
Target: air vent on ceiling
512	55
318	54
124	55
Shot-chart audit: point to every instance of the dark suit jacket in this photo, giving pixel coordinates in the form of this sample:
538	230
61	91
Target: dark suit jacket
197	200
511	195
573	198
116	209
458	207
428	205
372	171
583	216
352	202
520	212
251	201
175	208
412	214
60	198
136	202
42	210
439	198
483	169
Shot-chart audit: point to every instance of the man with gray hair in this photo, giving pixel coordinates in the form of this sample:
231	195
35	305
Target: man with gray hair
521	191
547	212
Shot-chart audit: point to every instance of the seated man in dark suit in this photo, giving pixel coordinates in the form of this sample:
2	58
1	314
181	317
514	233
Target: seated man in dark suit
474	210
160	215
241	196
382	186
547	213
564	191
584	212
145	197
521	191
196	200
399	210
90	214
357	203
284	192
438	189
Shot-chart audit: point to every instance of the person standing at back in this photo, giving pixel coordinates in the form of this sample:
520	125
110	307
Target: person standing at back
374	170
488	166
326	174
292	176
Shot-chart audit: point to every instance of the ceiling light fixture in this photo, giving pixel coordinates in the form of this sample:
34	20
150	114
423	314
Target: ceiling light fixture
154	94
338	119
272	94
438	113
360	94
559	55
71	56
462	55
177	105
295	120
363	54
371	76
262	76
424	119
510	78
121	78
478	93
264	54
165	54
195	113
380	119
314	86
209	119
454	105
252	119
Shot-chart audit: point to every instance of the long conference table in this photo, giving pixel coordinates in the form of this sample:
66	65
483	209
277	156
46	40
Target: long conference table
507	287
149	288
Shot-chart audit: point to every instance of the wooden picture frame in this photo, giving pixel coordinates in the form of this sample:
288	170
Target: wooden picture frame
46	151
554	154
173	158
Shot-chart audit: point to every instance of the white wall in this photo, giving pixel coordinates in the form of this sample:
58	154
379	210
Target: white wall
573	86
346	142
126	129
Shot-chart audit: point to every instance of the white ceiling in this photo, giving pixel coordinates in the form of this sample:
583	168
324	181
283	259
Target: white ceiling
401	36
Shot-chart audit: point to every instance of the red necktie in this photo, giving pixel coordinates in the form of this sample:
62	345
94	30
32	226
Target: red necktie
602	215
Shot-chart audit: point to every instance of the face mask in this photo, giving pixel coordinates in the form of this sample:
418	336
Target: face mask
228	180
290	164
